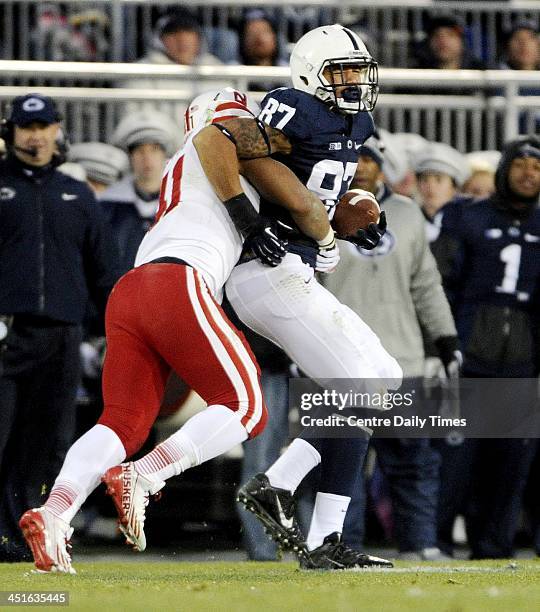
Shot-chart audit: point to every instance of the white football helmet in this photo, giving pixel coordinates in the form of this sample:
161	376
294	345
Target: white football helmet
219	105
337	48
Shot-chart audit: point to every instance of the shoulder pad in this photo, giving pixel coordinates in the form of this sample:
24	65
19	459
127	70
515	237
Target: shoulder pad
291	111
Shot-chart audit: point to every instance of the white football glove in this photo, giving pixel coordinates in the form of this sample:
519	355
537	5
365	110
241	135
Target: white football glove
328	255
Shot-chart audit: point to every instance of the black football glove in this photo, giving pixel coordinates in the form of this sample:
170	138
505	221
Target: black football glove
370	238
264	241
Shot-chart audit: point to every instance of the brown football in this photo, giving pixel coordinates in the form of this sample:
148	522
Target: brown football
356	209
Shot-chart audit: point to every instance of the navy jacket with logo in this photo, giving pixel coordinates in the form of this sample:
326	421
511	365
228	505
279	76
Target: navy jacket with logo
490	263
56	247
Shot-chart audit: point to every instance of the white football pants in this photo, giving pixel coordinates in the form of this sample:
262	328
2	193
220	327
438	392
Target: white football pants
325	338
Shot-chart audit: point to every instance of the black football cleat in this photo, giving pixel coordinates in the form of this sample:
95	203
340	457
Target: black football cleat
275	509
333	554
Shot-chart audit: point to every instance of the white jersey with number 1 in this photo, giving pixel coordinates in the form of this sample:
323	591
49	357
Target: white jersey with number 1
192	224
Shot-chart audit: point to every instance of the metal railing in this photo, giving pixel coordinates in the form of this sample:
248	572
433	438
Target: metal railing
124	32
473	110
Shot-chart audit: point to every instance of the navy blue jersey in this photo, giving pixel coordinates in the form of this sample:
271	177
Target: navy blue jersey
490	264
325	144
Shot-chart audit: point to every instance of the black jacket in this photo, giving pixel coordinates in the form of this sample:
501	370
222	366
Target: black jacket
56	247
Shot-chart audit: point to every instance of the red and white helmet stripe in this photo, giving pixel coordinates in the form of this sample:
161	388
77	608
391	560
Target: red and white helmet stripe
215	106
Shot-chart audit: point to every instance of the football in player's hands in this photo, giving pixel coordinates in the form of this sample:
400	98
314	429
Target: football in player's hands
355	210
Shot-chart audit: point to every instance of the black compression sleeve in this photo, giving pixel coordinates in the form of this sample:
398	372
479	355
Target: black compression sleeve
242	213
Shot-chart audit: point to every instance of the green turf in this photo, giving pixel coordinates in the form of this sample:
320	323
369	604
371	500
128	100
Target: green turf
259	587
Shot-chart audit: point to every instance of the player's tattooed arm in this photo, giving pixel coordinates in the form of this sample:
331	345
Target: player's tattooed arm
220	147
277	183
255	139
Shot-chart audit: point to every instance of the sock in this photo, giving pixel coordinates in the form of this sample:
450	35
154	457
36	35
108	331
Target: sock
342	459
86	461
291	468
206	435
328	516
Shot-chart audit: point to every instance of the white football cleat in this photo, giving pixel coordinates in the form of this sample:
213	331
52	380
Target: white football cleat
48	538
130	492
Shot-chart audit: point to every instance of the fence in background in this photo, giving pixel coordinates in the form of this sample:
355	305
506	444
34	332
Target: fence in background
121	30
472	110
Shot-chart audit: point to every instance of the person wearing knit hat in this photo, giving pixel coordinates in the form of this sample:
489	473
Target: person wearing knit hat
482	165
408	145
146	127
440	171
149	139
104	164
395	161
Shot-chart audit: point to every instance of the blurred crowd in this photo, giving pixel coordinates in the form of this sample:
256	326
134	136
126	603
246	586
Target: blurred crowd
257	37
418	493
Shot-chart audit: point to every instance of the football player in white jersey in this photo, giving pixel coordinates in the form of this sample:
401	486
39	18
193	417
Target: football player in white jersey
165	315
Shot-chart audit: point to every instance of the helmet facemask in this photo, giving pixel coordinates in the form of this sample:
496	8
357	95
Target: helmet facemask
349	95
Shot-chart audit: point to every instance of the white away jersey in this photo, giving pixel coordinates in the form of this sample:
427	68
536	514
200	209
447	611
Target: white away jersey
192	224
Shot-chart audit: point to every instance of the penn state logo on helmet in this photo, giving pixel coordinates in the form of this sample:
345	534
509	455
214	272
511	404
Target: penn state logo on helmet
322	63
217	105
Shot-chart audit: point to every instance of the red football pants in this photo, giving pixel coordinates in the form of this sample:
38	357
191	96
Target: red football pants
161	317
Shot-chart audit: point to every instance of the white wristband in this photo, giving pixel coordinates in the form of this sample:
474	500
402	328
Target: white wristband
327	240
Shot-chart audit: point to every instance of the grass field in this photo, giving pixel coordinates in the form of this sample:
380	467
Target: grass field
461	585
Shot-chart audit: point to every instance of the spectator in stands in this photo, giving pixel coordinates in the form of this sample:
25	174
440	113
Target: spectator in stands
488	257
149	139
445	47
398	162
521	47
409	145
178	39
400	271
522	52
56	249
104	164
80	38
260	46
481	182
440	172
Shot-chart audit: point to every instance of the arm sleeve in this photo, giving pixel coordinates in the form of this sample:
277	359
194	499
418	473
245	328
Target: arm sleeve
430	302
449	251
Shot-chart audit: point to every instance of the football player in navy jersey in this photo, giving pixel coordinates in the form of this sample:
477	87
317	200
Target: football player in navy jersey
489	257
315	128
